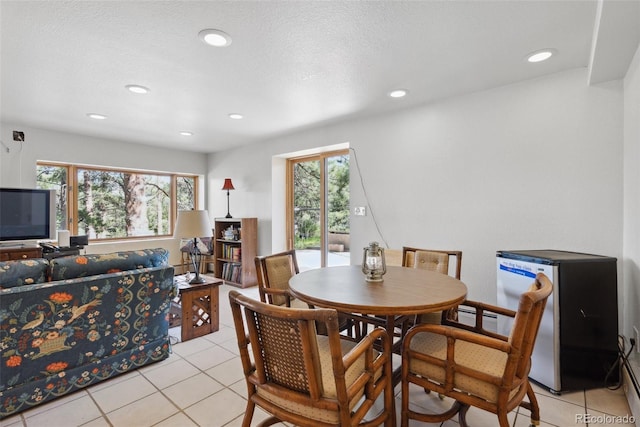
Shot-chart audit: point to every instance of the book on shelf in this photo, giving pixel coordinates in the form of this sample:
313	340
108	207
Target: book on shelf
232	271
232	252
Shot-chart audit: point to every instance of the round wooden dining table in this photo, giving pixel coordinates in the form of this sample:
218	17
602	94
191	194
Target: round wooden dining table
403	291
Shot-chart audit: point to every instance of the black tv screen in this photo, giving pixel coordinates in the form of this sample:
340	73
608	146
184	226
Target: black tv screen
26	214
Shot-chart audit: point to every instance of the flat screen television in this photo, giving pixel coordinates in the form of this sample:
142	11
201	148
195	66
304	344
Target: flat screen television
27	214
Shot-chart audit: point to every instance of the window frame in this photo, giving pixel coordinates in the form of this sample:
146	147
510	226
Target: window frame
289	196
72	198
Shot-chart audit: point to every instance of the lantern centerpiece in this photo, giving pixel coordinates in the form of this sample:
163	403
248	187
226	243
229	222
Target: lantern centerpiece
373	262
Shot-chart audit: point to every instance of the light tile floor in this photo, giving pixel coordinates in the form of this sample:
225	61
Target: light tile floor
201	384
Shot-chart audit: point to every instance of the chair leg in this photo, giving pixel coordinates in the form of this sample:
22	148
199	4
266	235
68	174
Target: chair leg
502	418
462	415
248	414
532	406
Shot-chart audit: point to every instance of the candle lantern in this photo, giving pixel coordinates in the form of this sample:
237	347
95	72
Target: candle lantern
373	262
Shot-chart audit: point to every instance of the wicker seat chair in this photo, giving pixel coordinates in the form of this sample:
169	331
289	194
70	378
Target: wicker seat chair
307	379
474	366
274	272
433	260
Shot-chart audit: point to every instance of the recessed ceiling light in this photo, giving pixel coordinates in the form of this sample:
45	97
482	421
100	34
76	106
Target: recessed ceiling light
137	89
186	133
235	116
540	55
215	38
96	116
398	93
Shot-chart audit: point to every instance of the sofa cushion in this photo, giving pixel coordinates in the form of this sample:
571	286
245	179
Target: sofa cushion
23	272
90	265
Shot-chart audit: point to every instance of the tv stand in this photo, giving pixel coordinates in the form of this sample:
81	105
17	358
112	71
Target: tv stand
62	252
10	253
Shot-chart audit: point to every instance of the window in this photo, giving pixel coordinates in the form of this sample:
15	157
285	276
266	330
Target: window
54	177
115	204
318	209
186	188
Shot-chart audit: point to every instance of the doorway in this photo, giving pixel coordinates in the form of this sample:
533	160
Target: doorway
318	209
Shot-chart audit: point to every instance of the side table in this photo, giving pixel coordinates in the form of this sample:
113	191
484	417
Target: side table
200	313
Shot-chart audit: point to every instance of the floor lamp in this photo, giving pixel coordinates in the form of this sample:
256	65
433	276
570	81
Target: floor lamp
228	185
191	225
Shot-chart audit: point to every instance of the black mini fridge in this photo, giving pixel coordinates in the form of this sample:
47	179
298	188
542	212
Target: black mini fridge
577	343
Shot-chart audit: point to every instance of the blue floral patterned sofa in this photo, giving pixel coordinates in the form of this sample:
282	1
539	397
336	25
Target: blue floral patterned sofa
75	321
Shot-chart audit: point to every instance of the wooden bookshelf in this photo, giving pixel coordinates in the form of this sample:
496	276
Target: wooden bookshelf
234	256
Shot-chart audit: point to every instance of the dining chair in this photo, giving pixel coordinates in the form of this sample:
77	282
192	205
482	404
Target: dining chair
393	257
274	272
474	366
433	260
307	379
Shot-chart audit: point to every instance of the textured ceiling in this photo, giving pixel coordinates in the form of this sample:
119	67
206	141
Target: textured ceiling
292	64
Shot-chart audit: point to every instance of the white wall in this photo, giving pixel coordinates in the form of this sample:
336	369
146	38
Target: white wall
531	165
631	240
631	247
18	166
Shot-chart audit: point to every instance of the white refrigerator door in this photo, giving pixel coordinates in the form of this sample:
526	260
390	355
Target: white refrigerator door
514	278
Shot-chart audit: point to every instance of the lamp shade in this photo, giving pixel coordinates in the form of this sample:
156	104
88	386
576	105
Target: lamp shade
192	224
228	185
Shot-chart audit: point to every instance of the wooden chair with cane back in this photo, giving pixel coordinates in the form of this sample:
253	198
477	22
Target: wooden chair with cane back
474	366
433	260
274	272
301	377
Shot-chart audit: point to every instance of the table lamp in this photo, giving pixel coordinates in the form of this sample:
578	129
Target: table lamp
191	225
228	185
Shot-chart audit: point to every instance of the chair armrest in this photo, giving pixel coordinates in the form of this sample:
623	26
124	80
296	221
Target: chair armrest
274	291
458	334
374	362
484	307
367	343
480	309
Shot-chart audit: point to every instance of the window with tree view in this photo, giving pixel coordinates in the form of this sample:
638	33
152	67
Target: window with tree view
186	188
54	177
319	210
116	204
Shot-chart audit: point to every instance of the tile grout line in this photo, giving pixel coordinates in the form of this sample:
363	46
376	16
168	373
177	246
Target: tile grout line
180	410
200	371
95	402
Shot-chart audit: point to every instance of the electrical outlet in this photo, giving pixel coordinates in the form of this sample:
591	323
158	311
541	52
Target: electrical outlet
360	211
636	335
